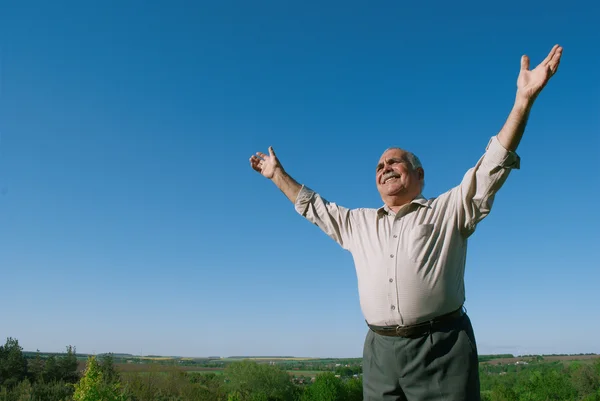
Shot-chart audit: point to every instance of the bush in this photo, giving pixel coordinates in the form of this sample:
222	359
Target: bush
92	386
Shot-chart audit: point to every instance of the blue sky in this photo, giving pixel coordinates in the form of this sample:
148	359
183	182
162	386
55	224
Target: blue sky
130	220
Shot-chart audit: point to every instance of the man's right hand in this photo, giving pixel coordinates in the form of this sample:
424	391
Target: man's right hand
267	165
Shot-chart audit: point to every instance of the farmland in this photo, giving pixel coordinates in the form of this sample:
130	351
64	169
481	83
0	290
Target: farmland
547	358
295	366
302	366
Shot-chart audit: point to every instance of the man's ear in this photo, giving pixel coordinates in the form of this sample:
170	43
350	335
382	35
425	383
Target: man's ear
421	173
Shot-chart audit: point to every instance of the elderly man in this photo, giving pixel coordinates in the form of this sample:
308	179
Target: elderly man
410	256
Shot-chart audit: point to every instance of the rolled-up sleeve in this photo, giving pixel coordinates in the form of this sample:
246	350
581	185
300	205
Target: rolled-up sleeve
475	195
332	219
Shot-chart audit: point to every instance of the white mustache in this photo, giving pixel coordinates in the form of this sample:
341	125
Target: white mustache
391	174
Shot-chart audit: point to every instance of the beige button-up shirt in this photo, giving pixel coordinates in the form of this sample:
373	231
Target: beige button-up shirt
410	265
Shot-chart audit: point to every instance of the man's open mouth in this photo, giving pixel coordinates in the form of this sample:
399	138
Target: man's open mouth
391	178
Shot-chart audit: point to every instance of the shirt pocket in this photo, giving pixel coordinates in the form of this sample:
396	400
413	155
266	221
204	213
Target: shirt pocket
420	242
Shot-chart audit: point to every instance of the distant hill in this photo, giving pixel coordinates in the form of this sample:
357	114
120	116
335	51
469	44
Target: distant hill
482	357
260	357
118	355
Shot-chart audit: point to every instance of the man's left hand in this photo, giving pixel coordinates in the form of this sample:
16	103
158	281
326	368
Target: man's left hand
531	82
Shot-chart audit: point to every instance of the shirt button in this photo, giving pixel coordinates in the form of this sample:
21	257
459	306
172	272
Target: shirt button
395	236
391	280
393	307
391	256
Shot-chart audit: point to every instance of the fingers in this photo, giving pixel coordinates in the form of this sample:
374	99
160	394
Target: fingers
263	156
524	62
555	61
255	167
550	55
255	163
258	160
552	61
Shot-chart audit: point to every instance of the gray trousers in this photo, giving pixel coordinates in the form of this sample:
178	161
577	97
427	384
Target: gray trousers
441	365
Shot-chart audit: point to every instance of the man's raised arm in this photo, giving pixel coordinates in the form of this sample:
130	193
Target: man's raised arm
270	167
529	86
475	195
332	219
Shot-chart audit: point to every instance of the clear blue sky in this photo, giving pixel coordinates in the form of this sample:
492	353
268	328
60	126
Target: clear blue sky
130	220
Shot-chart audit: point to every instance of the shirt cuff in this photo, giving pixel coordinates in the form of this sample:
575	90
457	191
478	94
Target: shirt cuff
303	199
497	154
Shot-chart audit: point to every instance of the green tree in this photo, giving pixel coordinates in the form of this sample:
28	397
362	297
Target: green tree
13	365
327	387
50	372
550	384
252	381
234	396
585	380
354	389
593	397
172	384
211	384
52	391
503	393
23	391
106	362
344	371
92	387
36	368
61	368
66	366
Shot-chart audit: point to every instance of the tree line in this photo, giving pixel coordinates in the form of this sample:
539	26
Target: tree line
57	378
49	379
541	381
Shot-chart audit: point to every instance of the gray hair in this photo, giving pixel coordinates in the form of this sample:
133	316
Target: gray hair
412	159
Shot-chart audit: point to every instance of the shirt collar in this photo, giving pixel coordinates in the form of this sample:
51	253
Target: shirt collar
420	200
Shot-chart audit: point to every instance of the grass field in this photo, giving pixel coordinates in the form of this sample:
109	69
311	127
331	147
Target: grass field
155	364
547	358
204	372
127	368
152	367
310	373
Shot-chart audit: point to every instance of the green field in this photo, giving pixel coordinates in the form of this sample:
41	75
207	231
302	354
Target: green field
269	359
305	372
206	372
157	368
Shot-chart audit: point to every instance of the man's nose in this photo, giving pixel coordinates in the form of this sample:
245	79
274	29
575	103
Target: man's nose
384	171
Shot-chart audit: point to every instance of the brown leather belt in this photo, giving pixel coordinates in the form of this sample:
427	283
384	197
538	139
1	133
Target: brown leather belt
419	329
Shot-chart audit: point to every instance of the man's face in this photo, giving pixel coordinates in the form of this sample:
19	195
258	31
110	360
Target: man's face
395	177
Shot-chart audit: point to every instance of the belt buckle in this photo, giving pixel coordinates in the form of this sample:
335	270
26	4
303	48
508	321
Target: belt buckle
398	328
